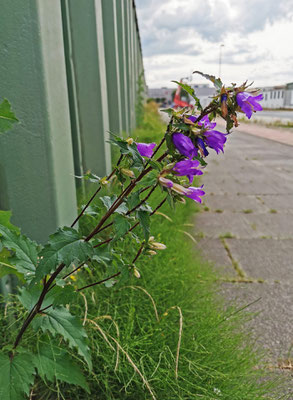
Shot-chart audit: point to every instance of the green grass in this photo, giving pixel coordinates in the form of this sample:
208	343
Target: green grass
176	286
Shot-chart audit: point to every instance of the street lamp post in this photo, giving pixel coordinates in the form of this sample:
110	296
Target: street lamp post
220	59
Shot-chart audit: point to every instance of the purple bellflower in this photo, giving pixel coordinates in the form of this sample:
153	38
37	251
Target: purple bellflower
188	168
184	145
215	140
191	192
206	123
249	103
145	149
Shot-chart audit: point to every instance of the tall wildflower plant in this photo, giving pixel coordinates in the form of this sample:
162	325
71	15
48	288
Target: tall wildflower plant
48	272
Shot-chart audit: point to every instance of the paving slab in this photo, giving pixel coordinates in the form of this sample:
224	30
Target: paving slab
215	225
272	325
236	203
277	225
269	259
213	251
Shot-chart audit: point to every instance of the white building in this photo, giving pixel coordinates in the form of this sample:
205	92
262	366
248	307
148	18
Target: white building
277	96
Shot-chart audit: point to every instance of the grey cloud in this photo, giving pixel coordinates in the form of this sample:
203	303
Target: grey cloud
162	30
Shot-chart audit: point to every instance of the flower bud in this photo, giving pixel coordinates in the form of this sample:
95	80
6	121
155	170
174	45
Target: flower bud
165	182
151	238
157	246
104	181
136	273
151	252
129	140
127	172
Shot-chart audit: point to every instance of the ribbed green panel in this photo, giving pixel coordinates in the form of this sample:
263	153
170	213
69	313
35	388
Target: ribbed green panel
88	97
112	65
36	163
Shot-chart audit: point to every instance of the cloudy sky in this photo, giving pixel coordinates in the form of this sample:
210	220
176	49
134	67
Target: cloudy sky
180	36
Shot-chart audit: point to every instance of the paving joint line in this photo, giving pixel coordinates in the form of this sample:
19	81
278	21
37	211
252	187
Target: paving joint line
242	277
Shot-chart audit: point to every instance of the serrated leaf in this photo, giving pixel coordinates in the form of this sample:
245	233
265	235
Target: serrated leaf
5	267
28	296
16	376
216	81
149	180
121	225
64	246
155	164
133	200
26	251
7	116
5	221
144	219
128	149
122	209
190	91
52	363
109	201
59	321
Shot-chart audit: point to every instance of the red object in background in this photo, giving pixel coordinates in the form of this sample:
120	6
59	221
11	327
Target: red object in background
177	100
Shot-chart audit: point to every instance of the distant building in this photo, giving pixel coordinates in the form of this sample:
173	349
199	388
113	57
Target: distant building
202	91
278	96
162	93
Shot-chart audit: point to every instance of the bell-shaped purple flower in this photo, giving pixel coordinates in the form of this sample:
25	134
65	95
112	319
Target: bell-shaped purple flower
249	103
206	123
191	192
194	193
145	149
188	168
215	140
202	147
184	145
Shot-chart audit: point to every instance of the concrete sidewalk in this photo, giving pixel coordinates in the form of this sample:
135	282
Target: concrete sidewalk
247	232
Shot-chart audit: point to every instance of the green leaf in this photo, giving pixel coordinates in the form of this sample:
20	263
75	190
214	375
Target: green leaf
155	164
28	296
5	267
7	116
216	81
144	219
16	376
121	225
169	111
149	180
122	209
128	149
108	201
26	251
89	176
64	246
5	221
53	362
190	91
60	321
133	200
201	160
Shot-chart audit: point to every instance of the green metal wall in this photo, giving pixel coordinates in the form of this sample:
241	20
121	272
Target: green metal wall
70	69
